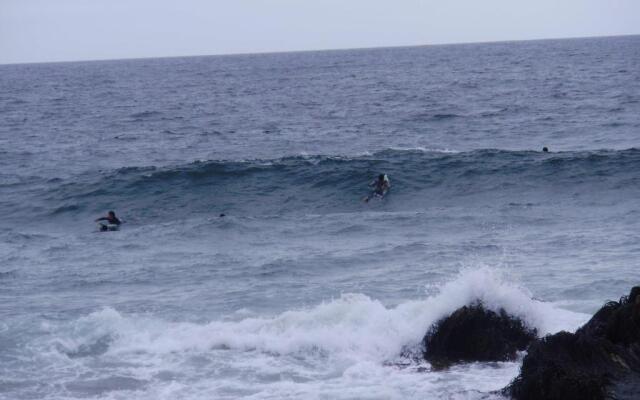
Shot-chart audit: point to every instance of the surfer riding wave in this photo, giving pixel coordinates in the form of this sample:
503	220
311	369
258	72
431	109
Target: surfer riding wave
380	186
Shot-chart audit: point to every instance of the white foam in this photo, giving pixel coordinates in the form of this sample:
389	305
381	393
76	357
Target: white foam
426	150
338	349
353	327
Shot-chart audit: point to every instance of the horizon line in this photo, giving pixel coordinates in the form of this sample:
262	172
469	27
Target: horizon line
267	52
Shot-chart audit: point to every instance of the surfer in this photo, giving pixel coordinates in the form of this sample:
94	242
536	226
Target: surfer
380	187
112	222
545	149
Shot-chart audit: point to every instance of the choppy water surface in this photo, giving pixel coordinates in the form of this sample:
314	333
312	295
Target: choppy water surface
302	290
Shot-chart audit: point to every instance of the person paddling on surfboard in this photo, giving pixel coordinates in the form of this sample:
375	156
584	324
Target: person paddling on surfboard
380	187
112	222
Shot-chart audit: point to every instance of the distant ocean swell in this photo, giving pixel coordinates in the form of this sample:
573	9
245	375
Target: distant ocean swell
322	184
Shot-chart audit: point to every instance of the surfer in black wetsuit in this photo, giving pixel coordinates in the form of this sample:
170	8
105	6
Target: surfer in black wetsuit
111	220
380	187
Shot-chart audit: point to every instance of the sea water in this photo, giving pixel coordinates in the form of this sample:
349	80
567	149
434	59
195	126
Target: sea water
303	291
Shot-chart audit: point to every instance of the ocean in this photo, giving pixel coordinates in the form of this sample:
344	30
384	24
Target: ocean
301	290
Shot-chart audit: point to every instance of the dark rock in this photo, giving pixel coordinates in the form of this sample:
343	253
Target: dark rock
600	361
473	333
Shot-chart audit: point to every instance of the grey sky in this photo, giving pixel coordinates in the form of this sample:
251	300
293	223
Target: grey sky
57	30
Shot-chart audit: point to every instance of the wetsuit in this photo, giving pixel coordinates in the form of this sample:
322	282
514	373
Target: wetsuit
110	221
380	186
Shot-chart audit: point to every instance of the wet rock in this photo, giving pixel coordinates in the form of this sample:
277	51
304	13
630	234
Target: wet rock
600	361
473	333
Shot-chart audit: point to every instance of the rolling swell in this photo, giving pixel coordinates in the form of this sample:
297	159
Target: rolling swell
326	184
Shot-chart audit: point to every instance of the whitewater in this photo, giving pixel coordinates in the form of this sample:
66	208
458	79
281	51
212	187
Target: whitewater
301	290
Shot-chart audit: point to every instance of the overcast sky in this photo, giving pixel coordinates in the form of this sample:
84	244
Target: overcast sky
59	30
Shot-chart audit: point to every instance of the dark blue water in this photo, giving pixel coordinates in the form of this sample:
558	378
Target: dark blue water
302	290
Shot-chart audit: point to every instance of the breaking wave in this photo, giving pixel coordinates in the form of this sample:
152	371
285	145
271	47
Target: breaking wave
329	184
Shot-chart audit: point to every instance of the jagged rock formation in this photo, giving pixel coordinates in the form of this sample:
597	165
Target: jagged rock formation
600	361
473	333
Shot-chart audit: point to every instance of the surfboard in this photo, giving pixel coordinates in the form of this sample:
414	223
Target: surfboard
108	227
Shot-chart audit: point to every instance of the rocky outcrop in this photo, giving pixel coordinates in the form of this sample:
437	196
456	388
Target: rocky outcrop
600	361
473	333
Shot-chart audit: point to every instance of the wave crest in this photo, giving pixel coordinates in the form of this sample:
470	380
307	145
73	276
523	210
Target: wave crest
330	184
352	327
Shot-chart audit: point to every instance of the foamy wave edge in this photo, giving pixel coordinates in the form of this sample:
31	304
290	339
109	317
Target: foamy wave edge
353	326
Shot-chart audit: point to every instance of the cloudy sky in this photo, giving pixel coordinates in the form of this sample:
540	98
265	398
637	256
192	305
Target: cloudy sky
59	30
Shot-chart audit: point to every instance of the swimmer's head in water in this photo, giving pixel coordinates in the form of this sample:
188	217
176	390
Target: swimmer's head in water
381	177
545	149
111	214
